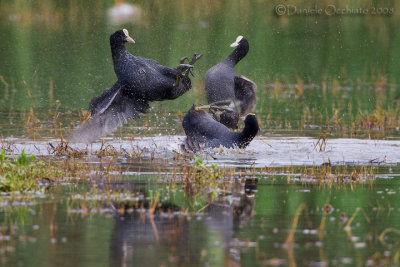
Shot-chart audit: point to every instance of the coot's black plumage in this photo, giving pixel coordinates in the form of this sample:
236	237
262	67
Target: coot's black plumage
203	131
140	80
223	84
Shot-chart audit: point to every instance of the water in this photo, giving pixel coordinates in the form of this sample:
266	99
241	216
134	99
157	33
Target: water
318	186
262	152
250	227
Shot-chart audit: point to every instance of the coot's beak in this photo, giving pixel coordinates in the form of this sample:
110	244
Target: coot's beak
236	43
130	40
202	107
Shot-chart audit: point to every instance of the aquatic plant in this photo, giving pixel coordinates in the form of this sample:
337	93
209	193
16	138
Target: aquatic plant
379	119
23	173
338	174
63	149
205	182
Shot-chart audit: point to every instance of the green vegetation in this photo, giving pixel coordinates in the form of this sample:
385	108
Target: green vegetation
359	110
23	173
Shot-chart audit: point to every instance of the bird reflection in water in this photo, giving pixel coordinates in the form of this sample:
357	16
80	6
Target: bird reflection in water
170	236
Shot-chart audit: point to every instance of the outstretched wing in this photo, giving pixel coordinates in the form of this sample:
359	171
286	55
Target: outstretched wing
201	128
193	144
245	92
111	110
100	103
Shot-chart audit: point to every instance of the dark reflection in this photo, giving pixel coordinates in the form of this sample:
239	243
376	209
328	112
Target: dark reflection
140	238
225	215
245	208
166	233
149	232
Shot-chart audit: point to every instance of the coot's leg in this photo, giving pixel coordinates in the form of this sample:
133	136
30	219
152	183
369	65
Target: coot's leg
202	107
181	69
195	58
227	103
182	60
220	105
181	87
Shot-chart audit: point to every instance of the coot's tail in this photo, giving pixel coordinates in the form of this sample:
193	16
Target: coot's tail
100	103
109	111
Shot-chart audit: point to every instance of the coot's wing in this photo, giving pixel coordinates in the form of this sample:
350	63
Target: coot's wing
158	82
153	65
245	92
203	131
202	126
194	144
147	61
193	123
100	103
109	116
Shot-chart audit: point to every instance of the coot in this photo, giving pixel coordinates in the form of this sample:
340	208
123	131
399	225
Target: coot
140	80
203	131
222	84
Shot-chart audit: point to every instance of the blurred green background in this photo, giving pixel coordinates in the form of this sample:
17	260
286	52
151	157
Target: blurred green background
319	70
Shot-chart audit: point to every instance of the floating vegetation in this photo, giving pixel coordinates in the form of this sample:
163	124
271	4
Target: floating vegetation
122	202
339	174
324	174
63	149
211	180
23	173
106	150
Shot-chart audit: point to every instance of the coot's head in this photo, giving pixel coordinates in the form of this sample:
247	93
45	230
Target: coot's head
251	124
192	120
242	47
120	37
250	130
192	114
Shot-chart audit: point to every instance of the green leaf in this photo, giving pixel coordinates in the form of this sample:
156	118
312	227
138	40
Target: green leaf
198	161
3	154
22	159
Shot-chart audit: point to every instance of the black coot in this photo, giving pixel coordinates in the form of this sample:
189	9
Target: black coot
203	131
140	80
222	84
